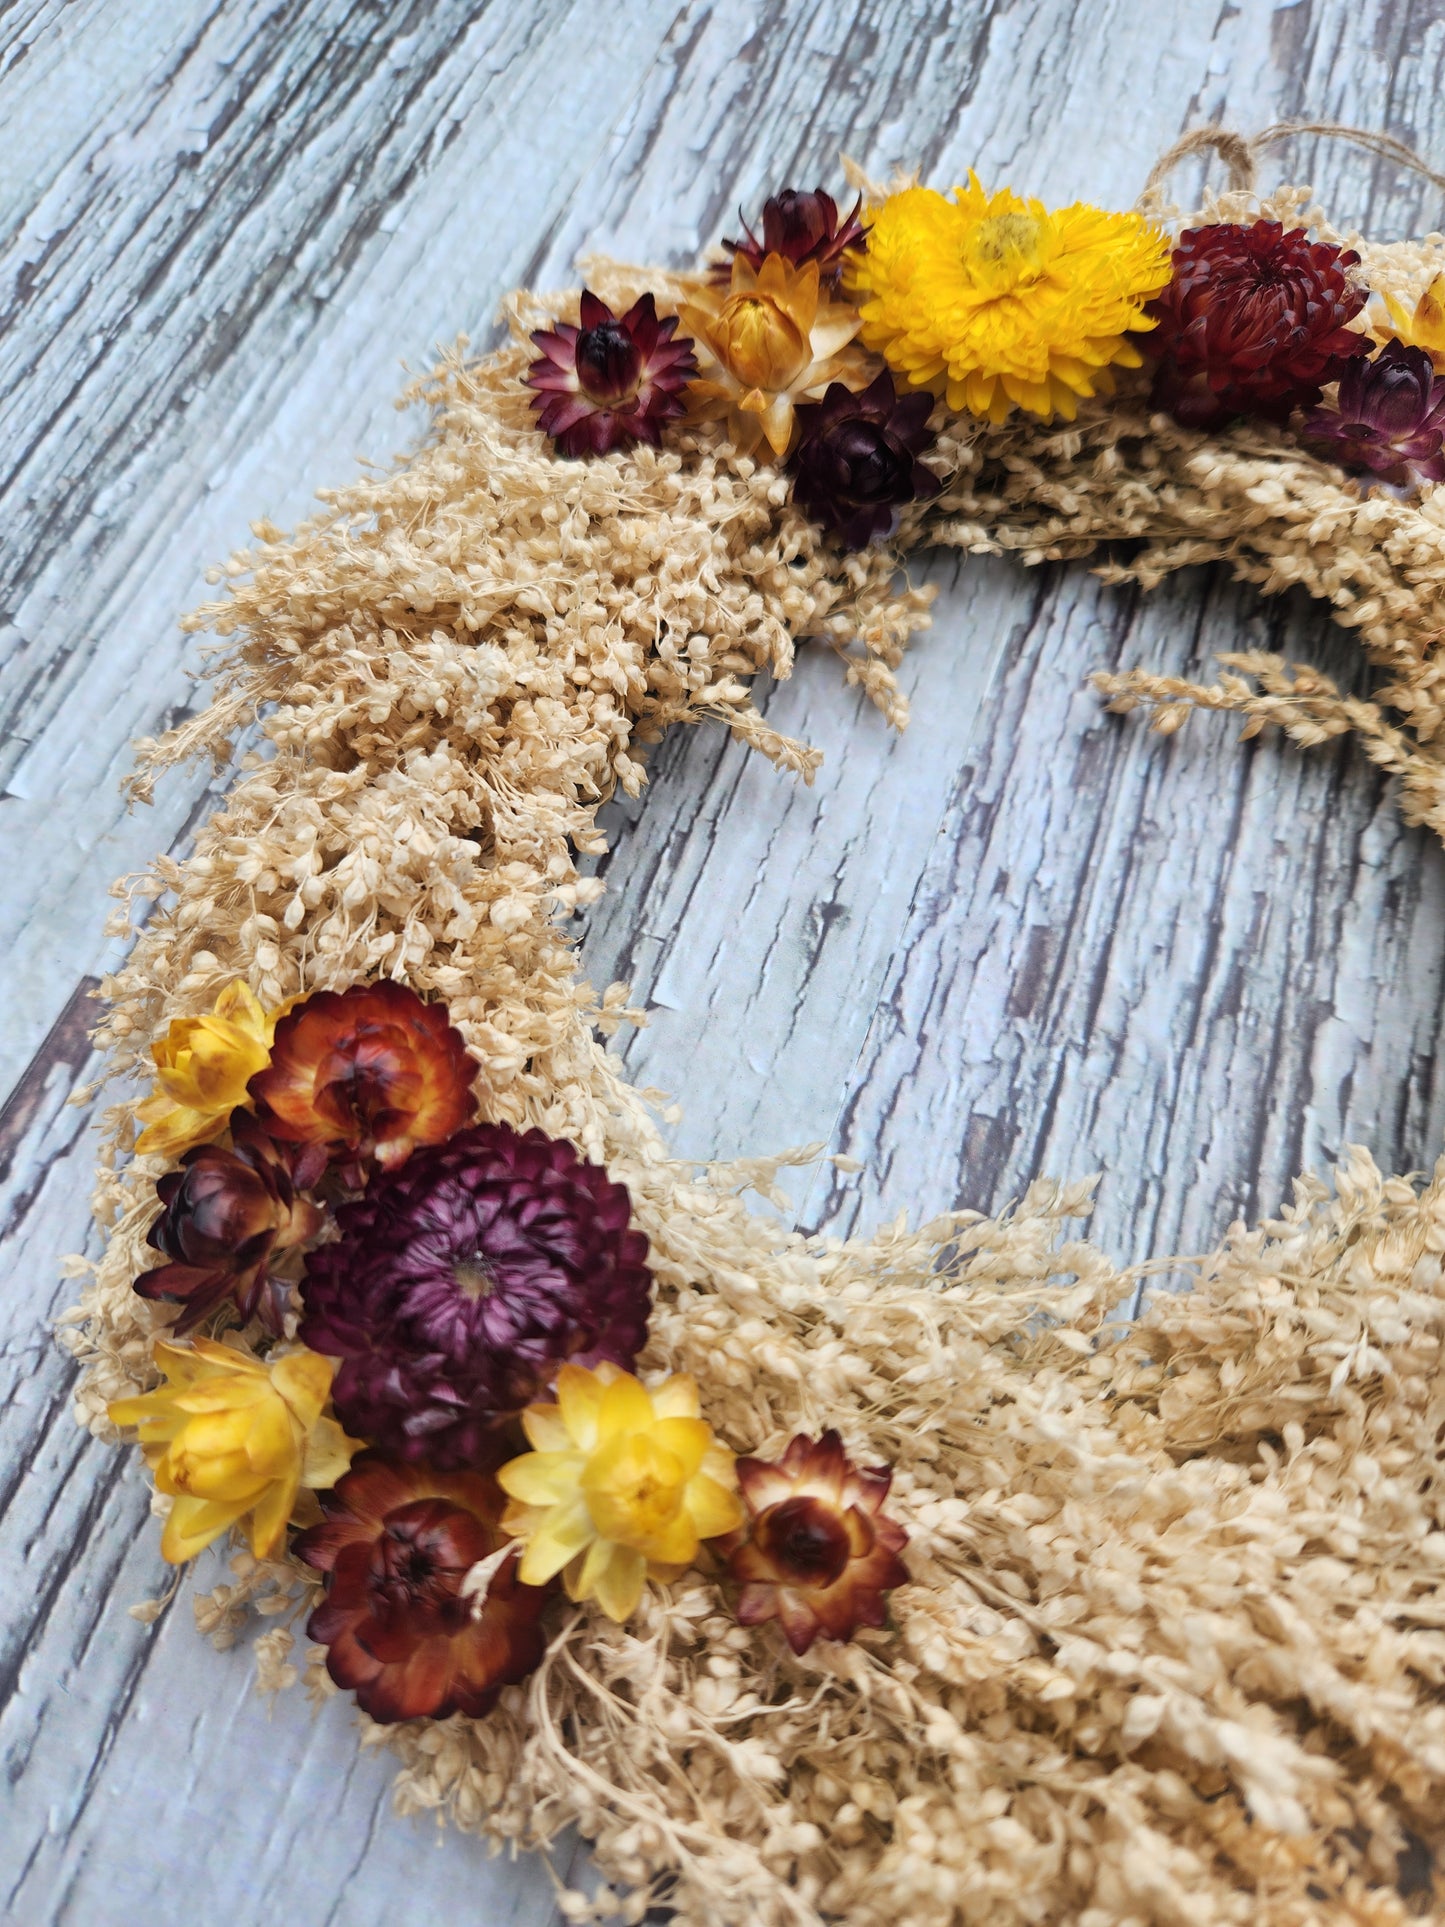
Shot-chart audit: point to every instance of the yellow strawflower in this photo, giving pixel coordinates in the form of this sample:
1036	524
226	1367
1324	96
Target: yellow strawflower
233	1439
203	1065
1425	328
997	302
624	1485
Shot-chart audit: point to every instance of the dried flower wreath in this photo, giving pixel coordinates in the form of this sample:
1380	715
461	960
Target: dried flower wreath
1009	1612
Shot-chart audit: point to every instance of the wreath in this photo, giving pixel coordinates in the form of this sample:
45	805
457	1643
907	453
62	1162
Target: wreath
894	1579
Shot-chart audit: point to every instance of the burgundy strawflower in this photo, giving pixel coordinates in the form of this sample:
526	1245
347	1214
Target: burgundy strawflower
802	228
1254	322
1388	418
612	381
226	1213
397	1543
363	1074
461	1282
817	1552
856	458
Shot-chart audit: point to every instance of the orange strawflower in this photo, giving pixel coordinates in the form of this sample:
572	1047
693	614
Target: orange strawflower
366	1073
765	343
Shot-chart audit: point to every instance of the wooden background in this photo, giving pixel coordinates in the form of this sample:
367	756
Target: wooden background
1025	937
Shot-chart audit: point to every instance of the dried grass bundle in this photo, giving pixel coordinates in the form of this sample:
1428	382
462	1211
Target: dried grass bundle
1175	1644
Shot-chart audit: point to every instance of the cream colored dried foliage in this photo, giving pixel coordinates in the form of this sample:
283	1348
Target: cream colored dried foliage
1175	1643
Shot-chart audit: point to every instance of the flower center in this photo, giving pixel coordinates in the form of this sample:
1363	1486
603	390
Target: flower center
867	469
760	345
1002	253
806	1540
416	1565
634	1489
608	363
475	1277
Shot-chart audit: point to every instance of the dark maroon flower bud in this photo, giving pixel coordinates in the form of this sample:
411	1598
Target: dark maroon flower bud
1254	322
226	1213
1388	419
856	459
817	1552
611	381
802	228
397	1544
462	1281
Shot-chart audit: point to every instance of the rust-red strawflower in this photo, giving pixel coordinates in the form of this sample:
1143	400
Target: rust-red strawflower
361	1074
461	1283
802	228
1254	322
817	1553
225	1215
397	1542
856	461
1388	419
611	382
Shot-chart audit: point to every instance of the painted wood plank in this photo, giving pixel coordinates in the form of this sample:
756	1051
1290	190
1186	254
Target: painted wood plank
205	303
1194	967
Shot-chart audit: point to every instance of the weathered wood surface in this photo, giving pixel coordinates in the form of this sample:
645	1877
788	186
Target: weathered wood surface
1026	936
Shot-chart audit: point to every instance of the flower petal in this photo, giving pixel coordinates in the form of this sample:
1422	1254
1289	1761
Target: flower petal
192	1525
566	1531
541	1478
712	1508
625	1408
677	1397
614	1580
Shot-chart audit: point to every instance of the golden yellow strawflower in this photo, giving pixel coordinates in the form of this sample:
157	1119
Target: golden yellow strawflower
203	1065
1425	328
998	303
764	343
624	1485
232	1439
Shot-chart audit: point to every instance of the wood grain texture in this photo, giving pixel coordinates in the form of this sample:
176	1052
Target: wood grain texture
1025	936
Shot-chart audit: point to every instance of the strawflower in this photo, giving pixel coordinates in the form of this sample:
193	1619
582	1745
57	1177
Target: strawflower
856	462
232	1439
998	303
225	1213
611	382
817	1552
459	1285
366	1073
401	1629
1388	419
203	1065
801	228
1254	322
624	1485
766	342
1424	328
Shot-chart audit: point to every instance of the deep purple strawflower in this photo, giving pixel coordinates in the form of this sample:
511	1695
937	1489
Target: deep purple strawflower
1254	322
856	459
224	1214
612	381
1388	419
802	228
460	1283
